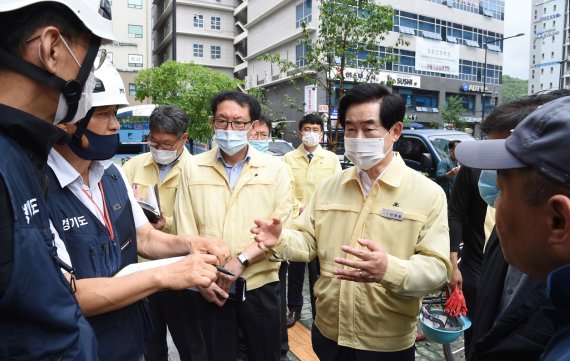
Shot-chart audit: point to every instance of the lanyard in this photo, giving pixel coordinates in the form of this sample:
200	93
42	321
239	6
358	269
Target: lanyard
104	214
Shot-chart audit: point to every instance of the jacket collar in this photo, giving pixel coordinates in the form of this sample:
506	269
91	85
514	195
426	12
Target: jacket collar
392	176
557	289
210	158
301	152
36	136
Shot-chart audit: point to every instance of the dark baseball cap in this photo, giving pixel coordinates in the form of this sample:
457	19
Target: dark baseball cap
541	141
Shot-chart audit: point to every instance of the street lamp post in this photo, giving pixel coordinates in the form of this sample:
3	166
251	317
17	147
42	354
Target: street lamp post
485	71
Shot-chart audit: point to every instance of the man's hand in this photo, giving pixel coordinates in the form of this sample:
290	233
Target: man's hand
267	232
370	267
214	294
453	172
159	225
225	281
208	245
192	270
456	280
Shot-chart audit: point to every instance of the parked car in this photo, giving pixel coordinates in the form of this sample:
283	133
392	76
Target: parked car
423	149
279	148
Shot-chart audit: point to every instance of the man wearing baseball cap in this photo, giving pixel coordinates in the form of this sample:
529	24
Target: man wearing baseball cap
533	206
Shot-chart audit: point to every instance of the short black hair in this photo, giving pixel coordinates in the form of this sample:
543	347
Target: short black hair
264	119
508	115
244	100
311	118
392	106
19	25
169	119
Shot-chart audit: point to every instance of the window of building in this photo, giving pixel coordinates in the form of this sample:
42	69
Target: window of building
553	38
132	89
552	54
468	101
553	23
542	71
216	51
303	13
136	60
542	56
135	4
550	85
215	22
554	7
198	50
301	54
198	21
135	31
551	70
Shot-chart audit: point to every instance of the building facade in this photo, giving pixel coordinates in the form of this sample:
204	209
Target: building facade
200	31
445	56
130	52
549	46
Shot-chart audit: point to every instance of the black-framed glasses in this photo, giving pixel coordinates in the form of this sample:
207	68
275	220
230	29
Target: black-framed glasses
236	124
164	145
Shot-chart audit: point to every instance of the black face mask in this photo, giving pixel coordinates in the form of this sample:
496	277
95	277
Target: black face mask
101	147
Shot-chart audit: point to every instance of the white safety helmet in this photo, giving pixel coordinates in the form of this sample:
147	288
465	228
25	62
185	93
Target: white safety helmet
109	87
94	14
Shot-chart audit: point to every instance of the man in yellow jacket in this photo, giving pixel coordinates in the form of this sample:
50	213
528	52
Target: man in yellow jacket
221	192
310	164
162	166
380	232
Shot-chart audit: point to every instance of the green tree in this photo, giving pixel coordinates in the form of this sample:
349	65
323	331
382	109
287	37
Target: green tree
349	37
453	112
513	88
188	86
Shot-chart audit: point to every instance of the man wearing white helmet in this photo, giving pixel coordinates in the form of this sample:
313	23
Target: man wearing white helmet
47	52
102	229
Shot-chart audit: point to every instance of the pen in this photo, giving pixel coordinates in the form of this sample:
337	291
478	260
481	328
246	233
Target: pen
224	271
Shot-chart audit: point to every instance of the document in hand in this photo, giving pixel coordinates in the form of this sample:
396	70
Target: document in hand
151	204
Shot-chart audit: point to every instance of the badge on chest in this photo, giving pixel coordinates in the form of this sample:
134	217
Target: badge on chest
392	214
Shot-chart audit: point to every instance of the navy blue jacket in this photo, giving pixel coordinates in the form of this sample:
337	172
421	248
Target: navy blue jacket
558	349
121	333
39	315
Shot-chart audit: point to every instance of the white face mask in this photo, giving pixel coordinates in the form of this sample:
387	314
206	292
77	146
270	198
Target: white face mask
163	157
311	139
231	141
365	153
85	102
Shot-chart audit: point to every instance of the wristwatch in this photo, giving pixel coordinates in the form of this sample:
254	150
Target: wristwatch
242	258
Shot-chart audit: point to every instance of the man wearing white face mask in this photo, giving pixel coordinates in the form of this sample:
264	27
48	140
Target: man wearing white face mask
47	51
221	192
380	232
310	164
162	166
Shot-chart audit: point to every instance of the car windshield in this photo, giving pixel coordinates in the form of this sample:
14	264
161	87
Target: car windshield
441	141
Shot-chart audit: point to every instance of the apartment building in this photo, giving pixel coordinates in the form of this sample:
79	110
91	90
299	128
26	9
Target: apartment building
549	47
130	52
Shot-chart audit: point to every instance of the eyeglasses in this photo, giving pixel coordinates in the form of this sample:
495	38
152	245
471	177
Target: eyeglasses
236	124
163	145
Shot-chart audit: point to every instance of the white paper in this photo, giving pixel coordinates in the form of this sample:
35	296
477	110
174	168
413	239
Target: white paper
136	267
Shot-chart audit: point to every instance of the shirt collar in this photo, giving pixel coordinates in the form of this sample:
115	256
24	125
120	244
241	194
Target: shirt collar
36	136
66	174
391	176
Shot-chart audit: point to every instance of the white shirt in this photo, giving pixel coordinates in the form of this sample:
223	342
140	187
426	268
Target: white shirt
68	177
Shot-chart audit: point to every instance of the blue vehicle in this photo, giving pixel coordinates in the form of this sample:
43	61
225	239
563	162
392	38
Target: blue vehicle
423	149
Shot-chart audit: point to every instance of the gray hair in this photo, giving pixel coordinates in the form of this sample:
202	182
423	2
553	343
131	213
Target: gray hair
169	119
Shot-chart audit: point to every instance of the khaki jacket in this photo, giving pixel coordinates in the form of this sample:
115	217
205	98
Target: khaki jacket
207	206
309	175
143	171
373	316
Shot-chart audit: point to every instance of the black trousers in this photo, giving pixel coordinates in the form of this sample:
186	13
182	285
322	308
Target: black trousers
329	350
283	310
295	281
470	276
174	309
258	317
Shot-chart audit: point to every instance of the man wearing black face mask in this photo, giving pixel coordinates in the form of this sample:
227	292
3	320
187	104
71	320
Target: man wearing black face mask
47	51
103	229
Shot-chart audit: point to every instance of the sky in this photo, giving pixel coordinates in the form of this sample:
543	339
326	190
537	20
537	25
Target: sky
516	50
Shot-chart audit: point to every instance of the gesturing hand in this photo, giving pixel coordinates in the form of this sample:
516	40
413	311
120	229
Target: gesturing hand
370	267
192	270
267	232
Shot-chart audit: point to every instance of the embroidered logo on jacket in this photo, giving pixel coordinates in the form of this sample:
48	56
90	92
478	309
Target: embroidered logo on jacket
30	208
